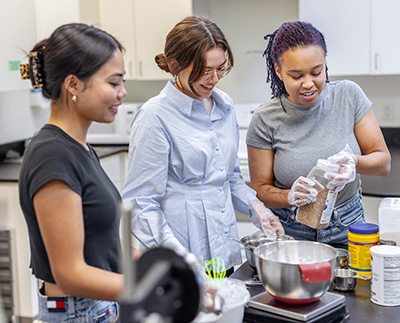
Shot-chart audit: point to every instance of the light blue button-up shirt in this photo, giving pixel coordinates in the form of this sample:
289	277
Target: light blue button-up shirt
184	178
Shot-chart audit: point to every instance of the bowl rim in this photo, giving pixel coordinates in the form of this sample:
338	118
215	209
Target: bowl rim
262	236
327	259
339	273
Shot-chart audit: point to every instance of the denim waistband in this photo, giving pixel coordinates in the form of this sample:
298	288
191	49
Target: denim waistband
74	309
347	205
65	303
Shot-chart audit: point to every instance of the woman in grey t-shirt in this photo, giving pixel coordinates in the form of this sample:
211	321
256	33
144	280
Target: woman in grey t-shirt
310	118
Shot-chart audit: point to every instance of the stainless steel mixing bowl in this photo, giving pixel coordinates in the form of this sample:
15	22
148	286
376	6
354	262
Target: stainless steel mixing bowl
252	241
296	272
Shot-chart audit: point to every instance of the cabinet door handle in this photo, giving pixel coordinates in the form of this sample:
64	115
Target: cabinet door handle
131	68
376	62
140	68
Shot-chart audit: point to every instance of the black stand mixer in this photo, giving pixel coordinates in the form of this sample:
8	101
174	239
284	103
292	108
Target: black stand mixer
160	287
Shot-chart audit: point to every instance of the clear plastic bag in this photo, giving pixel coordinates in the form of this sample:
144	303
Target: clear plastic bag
318	214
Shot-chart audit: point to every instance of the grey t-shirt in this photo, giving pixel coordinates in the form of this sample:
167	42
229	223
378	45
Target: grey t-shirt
305	133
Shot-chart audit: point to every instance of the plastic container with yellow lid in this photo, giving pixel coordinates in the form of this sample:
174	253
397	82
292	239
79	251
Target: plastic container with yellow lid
362	236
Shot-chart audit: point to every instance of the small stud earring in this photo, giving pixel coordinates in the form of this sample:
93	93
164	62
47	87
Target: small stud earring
73	98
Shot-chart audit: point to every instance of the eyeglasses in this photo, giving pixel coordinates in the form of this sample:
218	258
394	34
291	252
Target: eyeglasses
221	72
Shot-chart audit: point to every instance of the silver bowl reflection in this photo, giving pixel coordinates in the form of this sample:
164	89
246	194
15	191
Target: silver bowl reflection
296	272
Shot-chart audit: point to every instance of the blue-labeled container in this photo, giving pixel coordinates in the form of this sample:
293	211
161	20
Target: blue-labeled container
361	237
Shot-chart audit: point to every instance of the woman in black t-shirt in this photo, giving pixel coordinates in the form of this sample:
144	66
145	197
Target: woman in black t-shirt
69	203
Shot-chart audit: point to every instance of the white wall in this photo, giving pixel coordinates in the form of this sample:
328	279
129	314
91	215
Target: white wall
17	36
245	23
383	91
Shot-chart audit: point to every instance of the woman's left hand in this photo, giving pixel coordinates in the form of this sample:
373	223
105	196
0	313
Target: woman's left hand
264	219
347	170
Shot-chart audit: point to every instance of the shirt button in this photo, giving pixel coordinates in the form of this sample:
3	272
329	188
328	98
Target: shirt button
221	169
217	148
223	210
211	128
220	189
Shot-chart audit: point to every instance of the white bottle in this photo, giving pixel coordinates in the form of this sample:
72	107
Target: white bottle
389	219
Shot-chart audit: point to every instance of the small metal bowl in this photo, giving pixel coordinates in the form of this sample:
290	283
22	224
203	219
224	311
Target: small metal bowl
346	279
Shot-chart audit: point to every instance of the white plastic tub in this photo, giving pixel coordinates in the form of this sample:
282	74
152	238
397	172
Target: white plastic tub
235	295
385	282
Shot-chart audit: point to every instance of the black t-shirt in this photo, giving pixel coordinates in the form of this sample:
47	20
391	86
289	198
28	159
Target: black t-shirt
53	155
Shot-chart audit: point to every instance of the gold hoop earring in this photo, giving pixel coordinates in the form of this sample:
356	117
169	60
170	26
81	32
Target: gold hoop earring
73	98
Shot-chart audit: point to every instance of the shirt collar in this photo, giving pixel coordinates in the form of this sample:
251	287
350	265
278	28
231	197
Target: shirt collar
186	103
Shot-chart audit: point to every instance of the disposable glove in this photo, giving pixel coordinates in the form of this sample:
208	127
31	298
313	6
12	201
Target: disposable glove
175	245
190	258
212	302
303	191
347	170
264	219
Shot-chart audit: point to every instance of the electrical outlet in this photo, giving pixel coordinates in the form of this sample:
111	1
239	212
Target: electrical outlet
388	112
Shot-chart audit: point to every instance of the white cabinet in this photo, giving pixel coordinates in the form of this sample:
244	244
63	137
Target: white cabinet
142	26
24	283
359	34
51	14
385	27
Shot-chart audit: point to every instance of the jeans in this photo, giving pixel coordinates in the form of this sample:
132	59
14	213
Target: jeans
349	212
71	309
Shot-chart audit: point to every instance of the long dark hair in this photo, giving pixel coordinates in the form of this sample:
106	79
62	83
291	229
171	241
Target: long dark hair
189	42
76	49
288	36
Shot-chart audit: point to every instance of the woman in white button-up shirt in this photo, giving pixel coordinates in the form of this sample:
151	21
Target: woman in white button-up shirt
184	179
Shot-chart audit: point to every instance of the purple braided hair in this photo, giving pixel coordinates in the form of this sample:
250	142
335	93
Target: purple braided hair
289	35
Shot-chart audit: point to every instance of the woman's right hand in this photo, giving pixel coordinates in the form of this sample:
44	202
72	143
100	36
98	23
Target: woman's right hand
303	191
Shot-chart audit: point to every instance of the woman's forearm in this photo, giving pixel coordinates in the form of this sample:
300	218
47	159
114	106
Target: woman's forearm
272	196
374	164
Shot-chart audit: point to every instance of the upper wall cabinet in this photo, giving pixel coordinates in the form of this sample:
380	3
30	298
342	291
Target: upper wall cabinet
360	34
142	26
51	14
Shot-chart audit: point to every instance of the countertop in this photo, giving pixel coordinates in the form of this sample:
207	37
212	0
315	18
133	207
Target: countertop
358	302
9	170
